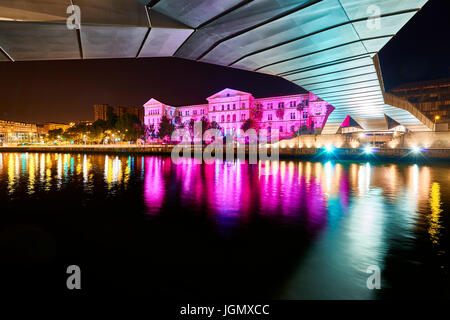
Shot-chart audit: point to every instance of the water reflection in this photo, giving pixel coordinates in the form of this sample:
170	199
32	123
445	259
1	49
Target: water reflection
435	203
354	213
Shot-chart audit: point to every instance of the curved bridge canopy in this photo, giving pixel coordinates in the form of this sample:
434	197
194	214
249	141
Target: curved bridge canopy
325	46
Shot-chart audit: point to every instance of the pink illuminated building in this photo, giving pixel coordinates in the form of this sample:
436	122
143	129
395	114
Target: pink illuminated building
231	108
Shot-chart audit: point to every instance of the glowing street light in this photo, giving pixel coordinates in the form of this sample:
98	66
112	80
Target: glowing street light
329	148
416	149
368	149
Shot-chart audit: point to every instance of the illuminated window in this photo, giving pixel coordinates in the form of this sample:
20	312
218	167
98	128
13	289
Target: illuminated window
234	118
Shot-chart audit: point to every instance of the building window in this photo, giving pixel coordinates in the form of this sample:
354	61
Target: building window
269	130
305	115
292	103
214	108
292	128
280	105
243	106
195	112
213	118
228	118
228	107
223	118
269	117
243	117
281	129
187	112
292	115
234	118
223	107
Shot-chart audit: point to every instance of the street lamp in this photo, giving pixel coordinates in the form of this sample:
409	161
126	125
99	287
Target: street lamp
436	118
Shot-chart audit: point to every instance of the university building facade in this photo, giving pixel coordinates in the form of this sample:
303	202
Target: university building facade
231	108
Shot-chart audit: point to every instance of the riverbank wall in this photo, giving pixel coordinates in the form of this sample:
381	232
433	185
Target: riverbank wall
284	151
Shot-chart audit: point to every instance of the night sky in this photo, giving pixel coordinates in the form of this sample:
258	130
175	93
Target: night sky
66	90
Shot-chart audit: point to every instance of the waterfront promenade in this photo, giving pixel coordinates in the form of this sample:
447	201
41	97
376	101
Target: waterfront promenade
285	150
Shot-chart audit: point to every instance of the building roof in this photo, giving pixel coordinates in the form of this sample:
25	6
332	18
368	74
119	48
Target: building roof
423	84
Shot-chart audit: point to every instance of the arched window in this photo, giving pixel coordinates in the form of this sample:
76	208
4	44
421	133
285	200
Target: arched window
228	118
234	118
223	118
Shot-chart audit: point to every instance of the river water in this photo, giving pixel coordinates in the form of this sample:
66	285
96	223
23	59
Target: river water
276	230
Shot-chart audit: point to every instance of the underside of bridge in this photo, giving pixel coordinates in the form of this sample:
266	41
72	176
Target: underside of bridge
328	47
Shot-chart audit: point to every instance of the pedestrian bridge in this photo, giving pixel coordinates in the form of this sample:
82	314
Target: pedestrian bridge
328	47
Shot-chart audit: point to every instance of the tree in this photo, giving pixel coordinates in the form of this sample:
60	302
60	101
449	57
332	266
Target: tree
111	117
178	121
166	128
280	113
215	125
97	129
150	131
55	134
304	129
77	132
257	112
190	126
129	126
250	124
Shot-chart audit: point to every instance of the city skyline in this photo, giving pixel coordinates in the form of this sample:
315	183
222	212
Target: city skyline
65	91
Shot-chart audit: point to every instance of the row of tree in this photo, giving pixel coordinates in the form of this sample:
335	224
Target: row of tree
167	127
127	127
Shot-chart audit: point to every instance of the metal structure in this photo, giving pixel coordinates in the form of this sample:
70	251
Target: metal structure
325	46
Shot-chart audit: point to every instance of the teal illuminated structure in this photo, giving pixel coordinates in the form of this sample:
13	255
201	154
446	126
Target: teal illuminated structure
329	47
